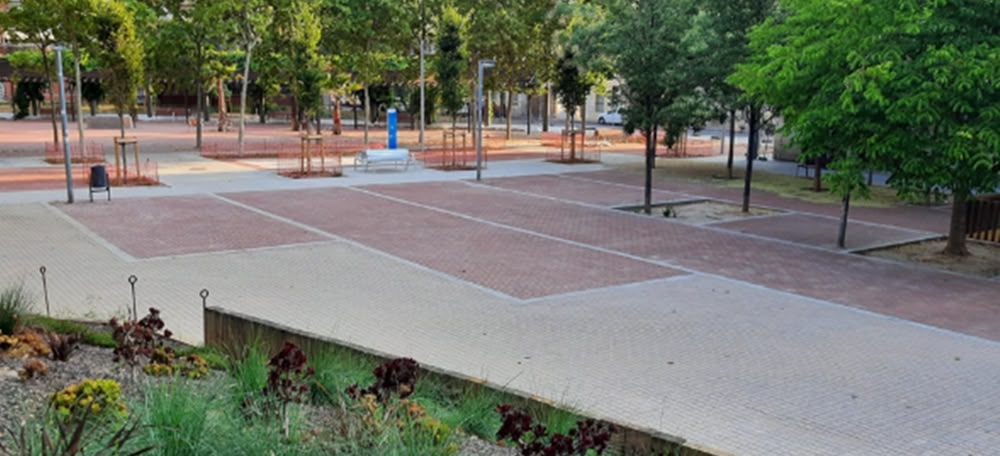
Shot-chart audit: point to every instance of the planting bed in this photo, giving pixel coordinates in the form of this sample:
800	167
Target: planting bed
701	212
984	260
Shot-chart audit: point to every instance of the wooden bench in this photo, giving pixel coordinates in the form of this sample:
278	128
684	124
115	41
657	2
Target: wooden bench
392	156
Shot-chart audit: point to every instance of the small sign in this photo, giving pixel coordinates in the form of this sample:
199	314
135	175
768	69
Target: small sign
391	124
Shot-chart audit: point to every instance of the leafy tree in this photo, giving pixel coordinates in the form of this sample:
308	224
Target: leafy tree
93	93
290	52
188	45
916	86
572	90
644	38
370	39
451	62
74	27
31	23
251	18
121	56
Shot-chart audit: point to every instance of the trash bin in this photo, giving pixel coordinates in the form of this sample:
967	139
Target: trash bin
99	181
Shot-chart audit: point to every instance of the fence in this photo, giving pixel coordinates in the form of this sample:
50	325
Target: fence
317	157
230	150
91	153
456	153
150	174
982	218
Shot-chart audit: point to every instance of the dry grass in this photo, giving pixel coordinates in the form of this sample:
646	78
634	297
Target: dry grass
984	260
790	186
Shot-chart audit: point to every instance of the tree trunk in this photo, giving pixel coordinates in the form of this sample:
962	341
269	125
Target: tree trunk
221	89
243	97
571	117
121	123
507	115
338	126
545	112
206	107
732	141
527	125
956	231
647	196
93	107
368	114
52	101
79	95
751	154
200	103
818	175
295	113
842	232
149	101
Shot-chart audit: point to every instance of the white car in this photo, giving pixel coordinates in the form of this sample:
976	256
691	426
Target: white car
611	117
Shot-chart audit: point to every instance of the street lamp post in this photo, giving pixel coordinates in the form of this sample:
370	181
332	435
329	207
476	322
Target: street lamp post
483	64
65	135
422	76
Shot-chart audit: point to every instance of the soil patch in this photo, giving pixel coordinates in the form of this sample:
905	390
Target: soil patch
984	261
702	212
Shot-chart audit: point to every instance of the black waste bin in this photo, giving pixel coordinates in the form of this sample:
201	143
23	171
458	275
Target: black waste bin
99	181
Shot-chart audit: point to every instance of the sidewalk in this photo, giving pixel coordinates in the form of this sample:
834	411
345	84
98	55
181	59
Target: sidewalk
738	342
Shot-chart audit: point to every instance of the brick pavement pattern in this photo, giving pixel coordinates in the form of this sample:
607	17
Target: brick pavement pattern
153	227
940	299
513	263
736	343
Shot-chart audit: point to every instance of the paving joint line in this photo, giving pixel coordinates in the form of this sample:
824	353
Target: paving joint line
446	276
522	230
689	270
622	286
264	248
114	249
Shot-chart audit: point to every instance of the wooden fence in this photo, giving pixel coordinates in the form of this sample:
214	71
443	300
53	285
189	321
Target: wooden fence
982	217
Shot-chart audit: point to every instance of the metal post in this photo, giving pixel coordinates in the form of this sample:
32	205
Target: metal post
65	134
422	76
483	64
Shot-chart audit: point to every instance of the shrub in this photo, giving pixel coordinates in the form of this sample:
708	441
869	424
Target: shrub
588	437
27	342
143	339
15	302
93	397
286	379
33	368
62	346
395	377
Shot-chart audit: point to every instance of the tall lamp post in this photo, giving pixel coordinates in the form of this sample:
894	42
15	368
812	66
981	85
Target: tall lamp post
483	64
423	29
65	135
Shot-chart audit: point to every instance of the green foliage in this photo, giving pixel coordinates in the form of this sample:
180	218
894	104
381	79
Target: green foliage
90	337
121	55
94	397
177	415
910	90
451	61
570	86
15	303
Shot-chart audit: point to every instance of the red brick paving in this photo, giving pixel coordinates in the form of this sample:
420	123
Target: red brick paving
518	264
819	231
39	178
581	191
940	299
153	227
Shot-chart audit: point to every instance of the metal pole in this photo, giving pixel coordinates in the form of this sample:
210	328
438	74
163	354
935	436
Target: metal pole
65	134
422	76
479	123
483	64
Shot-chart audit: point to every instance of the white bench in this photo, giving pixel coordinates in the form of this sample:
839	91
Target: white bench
395	156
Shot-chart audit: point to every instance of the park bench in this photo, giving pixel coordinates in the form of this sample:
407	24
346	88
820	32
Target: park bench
376	156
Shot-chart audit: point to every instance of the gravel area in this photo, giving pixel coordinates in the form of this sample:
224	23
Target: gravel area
21	399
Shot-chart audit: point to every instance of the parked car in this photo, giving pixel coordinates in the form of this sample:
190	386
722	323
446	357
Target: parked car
613	117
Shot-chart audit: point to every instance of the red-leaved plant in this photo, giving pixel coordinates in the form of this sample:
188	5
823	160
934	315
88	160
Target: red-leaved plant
533	439
138	340
287	379
397	377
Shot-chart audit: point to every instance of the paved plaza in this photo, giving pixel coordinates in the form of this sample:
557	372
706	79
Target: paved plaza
748	337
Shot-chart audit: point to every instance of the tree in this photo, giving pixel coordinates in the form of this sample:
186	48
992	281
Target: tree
644	38
572	89
920	82
31	23
74	26
121	56
451	62
251	19
188	45
370	39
